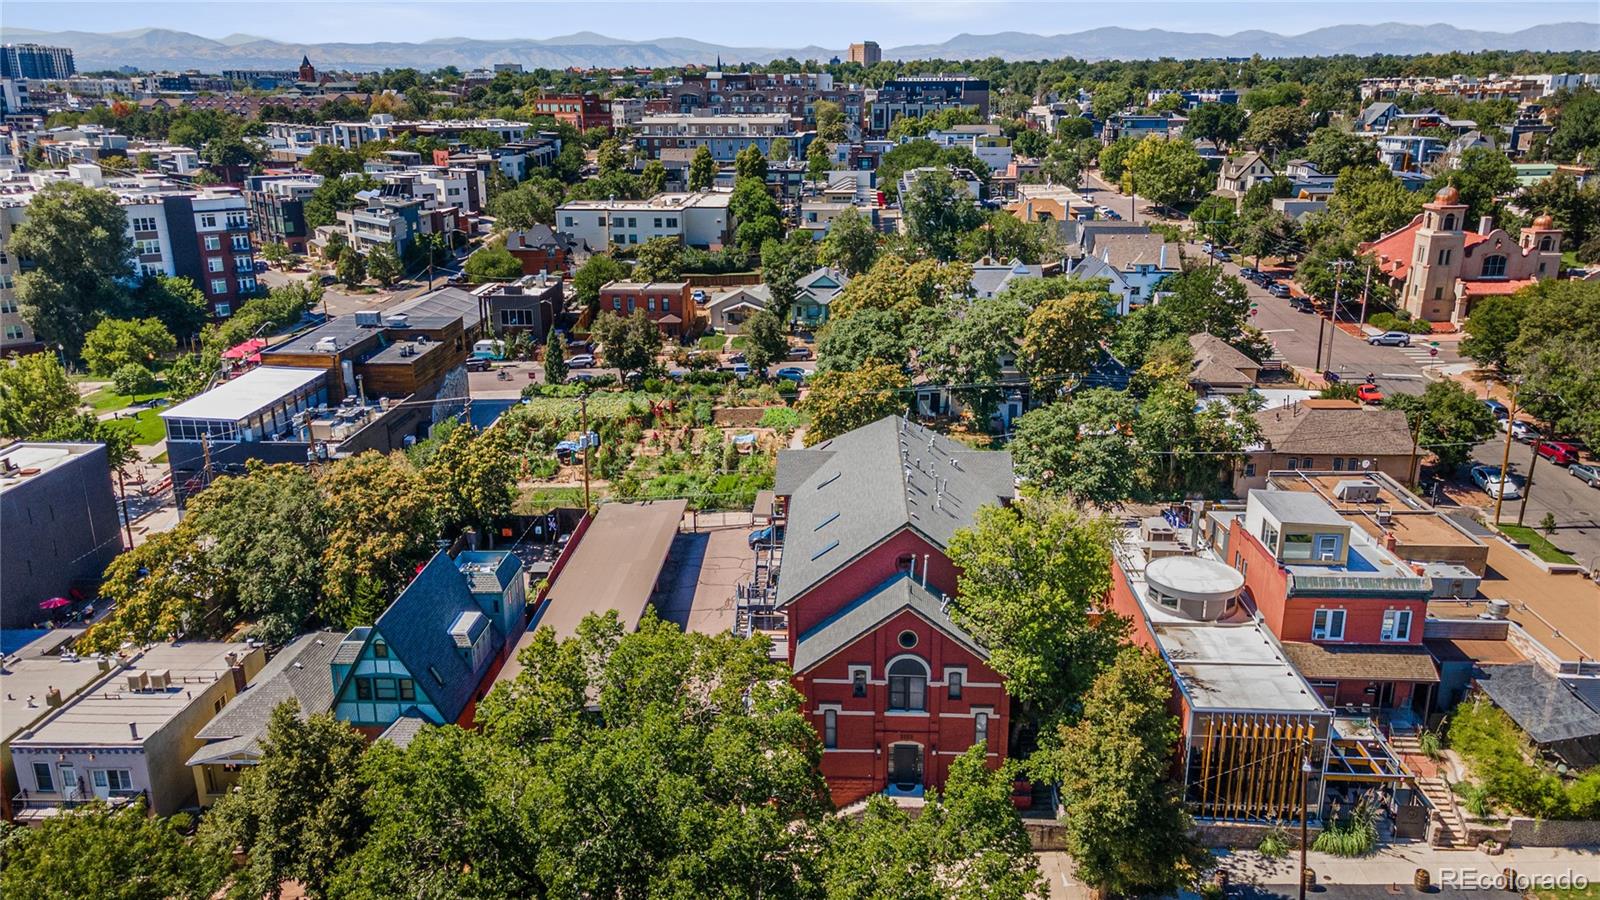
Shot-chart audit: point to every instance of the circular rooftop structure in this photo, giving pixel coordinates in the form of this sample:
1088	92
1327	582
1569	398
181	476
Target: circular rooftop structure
1199	588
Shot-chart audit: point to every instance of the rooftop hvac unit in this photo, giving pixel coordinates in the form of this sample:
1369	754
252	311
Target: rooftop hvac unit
369	318
160	679
1357	490
397	320
326	345
138	681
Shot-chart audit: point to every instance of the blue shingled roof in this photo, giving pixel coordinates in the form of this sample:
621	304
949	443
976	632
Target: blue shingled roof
417	628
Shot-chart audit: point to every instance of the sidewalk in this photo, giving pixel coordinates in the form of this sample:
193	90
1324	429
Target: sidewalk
1397	863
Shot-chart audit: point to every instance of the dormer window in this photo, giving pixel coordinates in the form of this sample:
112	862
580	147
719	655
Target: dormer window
380	650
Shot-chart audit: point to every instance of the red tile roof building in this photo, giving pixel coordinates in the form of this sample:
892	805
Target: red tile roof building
1438	268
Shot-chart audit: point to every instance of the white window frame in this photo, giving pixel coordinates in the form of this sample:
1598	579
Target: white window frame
1329	616
1392	621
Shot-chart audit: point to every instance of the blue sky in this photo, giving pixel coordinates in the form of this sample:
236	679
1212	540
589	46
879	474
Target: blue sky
753	22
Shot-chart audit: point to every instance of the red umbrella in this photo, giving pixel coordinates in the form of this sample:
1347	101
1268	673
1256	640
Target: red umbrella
55	603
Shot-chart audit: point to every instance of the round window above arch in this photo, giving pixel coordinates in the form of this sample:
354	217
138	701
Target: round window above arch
908	639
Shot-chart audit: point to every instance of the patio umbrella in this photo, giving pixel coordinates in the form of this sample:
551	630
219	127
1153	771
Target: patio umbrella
55	603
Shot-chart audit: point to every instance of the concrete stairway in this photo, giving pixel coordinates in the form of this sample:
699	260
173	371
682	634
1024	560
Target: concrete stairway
1443	800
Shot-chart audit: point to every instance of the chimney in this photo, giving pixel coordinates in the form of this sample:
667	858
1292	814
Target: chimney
1389	541
1485	224
237	671
52	697
133	730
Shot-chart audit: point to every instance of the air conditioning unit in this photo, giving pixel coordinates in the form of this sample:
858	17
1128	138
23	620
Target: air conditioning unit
326	345
369	318
138	681
1357	490
160	679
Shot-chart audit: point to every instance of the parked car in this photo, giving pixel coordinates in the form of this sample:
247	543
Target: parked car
1559	452
1494	484
764	536
477	364
581	361
799	352
1280	290
1249	272
1369	393
741	370
1520	430
1589	475
1390	339
1497	409
1301	304
580	378
1221	255
736	358
792	373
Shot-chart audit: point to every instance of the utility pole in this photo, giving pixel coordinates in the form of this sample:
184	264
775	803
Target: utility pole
205	454
1320	326
1505	457
1365	287
1339	265
583	407
1416	438
127	523
1305	813
1527	486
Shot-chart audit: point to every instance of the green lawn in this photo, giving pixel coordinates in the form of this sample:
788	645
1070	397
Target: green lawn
711	342
1536	542
160	457
1591	892
147	427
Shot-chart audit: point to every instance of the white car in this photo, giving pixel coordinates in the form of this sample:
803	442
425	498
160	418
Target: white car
1496	486
1519	429
581	361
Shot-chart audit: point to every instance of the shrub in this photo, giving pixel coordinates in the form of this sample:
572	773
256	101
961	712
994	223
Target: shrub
1355	834
1430	743
780	418
1275	844
1500	758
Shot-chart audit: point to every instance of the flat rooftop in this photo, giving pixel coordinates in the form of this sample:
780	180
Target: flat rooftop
698	199
25	682
1232	663
102	715
243	397
39	457
1410	519
1560	612
615	566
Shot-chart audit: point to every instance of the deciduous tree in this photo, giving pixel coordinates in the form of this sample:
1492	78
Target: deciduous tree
493	262
115	343
1167	172
1061	339
34	394
850	244
77	240
100	851
384	266
702	169
1451	421
840	401
1082	447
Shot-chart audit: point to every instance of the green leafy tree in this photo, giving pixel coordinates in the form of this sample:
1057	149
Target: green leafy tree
1114	158
818	163
555	358
963	343
475	476
382	523
658	259
702	169
1220	122
1166	171
113	853
299	812
653	178
841	401
1576	209
1063	335
768	338
1576	137
188	375
351	268
1082	448
1482	176
76	237
783	264
612	156
133	379
1368	202
533	202
967	842
276	253
330	161
1277	94
780	149
750	163
1557	352
493	262
851	244
830	122
896	284
1493	327
1004	237
1030	144
384	266
756	213
1032	575
175	301
1333	150
1451	421
34	394
115	343
938	214
1125	824
596	272
335	194
1261	194
1277	128
866	337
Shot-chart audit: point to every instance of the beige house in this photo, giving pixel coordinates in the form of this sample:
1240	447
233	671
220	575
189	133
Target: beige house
1243	172
1219	368
1327	435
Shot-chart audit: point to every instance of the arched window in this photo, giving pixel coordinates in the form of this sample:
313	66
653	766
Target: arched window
1546	244
908	685
1450	222
1494	267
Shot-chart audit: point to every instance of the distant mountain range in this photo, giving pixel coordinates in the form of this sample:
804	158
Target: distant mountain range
157	48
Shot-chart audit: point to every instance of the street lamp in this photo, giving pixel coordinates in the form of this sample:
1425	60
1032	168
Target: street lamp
1305	813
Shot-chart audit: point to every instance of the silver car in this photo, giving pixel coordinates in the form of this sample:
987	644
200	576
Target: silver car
1390	339
1589	475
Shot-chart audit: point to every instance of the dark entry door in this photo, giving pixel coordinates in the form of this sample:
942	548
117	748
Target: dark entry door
905	767
1385	694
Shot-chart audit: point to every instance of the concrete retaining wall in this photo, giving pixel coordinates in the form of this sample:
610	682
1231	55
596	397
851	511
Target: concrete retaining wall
1244	836
1551	833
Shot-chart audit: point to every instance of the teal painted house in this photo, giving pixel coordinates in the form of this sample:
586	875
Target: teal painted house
817	290
433	652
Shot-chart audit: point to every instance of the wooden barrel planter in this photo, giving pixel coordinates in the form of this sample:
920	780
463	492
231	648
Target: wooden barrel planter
1421	880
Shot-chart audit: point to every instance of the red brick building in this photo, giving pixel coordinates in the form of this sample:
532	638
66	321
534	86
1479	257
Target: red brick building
584	111
1349	612
894	687
541	248
670	304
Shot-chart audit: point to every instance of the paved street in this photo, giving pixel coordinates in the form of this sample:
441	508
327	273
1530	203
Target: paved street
1575	505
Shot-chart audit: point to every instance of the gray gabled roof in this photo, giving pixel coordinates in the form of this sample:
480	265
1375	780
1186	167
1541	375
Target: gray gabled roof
851	492
299	672
869	611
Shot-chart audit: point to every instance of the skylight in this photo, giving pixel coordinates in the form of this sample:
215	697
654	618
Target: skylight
818	555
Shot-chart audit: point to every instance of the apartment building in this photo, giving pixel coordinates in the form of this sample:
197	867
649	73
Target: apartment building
36	61
922	95
700	219
202	234
866	53
793	94
724	135
582	111
987	142
669	304
277	208
58	525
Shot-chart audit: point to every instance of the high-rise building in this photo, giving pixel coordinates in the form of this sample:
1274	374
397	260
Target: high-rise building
36	61
867	53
